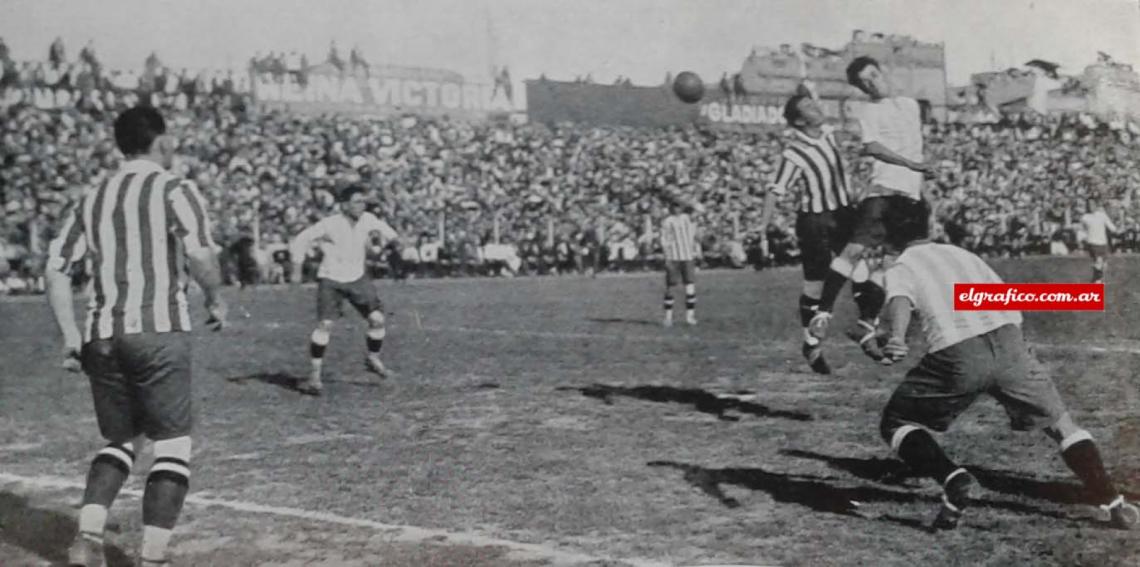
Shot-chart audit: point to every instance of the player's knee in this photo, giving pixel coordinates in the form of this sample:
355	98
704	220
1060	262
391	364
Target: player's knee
118	455
1065	432
843	264
813	289
894	431
690	289
320	336
376	319
171	460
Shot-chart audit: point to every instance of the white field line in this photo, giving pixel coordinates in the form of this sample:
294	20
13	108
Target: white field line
398	533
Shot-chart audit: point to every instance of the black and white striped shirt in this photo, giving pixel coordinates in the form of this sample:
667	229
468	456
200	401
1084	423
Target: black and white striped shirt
816	165
136	228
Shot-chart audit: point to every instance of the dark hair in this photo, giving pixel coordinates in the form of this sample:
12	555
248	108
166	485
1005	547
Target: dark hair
906	221
857	67
345	195
136	129
792	109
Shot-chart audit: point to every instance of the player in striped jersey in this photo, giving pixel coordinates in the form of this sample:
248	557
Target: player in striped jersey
679	243
813	165
344	239
969	353
1097	226
139	228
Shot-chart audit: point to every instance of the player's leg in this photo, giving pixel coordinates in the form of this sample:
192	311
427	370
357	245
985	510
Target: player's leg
931	397
160	363
1098	255
328	308
1030	398
689	278
672	276
363	297
866	230
869	295
816	255
114	412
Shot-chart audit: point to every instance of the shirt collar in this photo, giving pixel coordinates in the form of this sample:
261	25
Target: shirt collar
805	138
141	166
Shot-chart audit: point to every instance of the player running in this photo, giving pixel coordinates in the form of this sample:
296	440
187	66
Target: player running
679	243
344	239
1097	226
812	164
891	130
142	229
970	353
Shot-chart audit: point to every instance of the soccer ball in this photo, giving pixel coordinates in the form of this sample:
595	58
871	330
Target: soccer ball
688	87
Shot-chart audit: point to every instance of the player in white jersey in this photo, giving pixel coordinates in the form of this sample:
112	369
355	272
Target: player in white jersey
679	243
1097	226
344	239
970	353
891	131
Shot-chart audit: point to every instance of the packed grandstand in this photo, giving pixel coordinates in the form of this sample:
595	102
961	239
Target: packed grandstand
506	196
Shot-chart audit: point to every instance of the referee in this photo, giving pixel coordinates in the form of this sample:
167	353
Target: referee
139	228
813	166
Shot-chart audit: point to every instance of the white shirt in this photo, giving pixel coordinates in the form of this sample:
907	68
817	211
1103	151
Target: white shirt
1097	224
896	123
344	245
926	274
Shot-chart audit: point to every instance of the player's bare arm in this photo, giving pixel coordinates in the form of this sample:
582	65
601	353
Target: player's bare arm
203	266
898	314
62	303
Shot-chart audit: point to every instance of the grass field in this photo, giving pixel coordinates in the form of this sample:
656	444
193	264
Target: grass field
554	422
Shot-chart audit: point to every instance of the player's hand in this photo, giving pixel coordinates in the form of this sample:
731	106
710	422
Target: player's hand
218	312
894	351
71	361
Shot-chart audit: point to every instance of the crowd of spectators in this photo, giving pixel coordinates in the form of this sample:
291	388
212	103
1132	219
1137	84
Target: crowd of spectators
512	198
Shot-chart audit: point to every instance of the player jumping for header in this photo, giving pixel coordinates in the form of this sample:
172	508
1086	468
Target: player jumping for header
813	165
891	130
344	239
970	353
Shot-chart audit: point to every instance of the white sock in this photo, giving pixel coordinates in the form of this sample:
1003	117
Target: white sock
154	543
92	519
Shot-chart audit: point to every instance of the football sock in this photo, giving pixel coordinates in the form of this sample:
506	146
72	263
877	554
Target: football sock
165	492
918	449
109	470
808	307
1083	458
668	305
690	299
833	282
869	298
1098	273
375	340
317	344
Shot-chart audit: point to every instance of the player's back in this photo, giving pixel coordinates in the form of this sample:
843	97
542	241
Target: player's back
132	226
926	274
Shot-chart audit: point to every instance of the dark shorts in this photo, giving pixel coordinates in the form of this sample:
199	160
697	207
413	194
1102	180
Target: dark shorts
141	385
1097	250
331	296
680	271
946	382
822	236
869	230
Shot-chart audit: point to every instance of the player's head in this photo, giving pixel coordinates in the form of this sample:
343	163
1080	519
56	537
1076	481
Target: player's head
353	200
141	131
802	111
906	221
865	74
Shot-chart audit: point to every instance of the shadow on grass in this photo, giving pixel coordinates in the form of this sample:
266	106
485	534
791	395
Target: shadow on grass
702	401
894	471
804	490
289	382
44	533
611	320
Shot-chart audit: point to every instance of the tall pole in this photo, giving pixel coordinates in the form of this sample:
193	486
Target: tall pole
495	227
441	230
